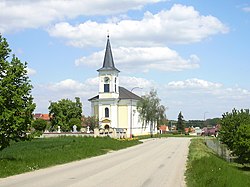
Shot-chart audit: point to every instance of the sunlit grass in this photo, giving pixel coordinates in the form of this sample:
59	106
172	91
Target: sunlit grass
40	153
206	169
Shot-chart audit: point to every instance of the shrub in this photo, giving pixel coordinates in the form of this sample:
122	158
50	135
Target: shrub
39	125
235	133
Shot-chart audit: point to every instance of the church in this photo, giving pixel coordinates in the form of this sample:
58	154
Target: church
115	106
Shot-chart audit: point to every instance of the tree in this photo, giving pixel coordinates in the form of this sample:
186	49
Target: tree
150	110
180	123
75	121
39	125
235	133
16	101
63	111
92	122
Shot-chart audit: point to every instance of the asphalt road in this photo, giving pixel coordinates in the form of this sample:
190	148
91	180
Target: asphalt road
157	162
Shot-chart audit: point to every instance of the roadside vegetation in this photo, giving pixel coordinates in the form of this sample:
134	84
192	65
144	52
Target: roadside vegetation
235	133
205	168
26	156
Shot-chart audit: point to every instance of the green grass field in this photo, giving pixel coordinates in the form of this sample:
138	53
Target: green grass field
26	156
206	169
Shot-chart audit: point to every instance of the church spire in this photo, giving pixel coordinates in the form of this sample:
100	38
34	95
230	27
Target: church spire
108	62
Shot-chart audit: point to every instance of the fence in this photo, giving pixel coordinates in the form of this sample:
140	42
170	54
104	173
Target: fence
111	132
219	148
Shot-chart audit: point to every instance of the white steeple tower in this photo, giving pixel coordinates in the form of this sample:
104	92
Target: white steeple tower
108	76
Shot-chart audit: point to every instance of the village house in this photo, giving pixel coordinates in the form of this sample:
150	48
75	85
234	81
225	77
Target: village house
45	117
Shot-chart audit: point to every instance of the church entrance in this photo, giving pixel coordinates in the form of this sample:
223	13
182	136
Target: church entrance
106	126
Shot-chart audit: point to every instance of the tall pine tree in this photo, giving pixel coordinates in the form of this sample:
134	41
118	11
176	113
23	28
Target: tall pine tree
180	123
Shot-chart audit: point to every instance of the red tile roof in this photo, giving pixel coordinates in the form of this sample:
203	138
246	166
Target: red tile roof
42	116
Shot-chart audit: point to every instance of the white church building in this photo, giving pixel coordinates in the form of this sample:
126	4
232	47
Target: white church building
115	106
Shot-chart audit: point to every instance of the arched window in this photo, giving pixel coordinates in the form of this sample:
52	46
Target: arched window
106	112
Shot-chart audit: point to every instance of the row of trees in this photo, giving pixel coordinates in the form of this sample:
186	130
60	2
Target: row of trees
40	125
65	113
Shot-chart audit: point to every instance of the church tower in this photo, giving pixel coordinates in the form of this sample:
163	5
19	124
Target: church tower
108	76
108	90
115	107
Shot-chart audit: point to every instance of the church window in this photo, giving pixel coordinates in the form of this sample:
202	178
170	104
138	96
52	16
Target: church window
115	84
106	87
106	112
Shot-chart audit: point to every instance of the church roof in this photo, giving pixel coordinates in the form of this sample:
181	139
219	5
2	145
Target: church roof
108	62
126	94
123	94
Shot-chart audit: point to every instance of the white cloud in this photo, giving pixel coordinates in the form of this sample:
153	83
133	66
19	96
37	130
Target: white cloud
140	83
180	24
143	59
195	96
246	9
31	71
67	85
193	83
203	86
22	14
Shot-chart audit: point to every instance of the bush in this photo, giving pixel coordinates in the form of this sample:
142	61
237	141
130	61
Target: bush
39	125
75	121
235	133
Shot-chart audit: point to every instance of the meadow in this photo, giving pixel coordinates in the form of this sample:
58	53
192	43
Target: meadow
39	153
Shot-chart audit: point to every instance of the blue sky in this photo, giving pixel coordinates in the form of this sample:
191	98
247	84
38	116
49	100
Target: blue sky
194	53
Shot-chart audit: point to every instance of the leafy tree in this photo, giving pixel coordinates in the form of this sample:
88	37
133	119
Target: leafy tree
212	122
39	125
150	110
92	122
16	101
235	133
195	123
180	123
63	111
75	121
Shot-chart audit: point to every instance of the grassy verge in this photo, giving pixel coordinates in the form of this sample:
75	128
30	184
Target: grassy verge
206	169
26	156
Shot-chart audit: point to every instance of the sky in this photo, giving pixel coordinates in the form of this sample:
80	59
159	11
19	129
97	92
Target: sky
195	54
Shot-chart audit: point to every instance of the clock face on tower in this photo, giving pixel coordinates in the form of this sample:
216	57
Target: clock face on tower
106	79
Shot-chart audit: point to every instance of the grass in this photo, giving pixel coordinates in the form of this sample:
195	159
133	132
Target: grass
27	156
206	169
